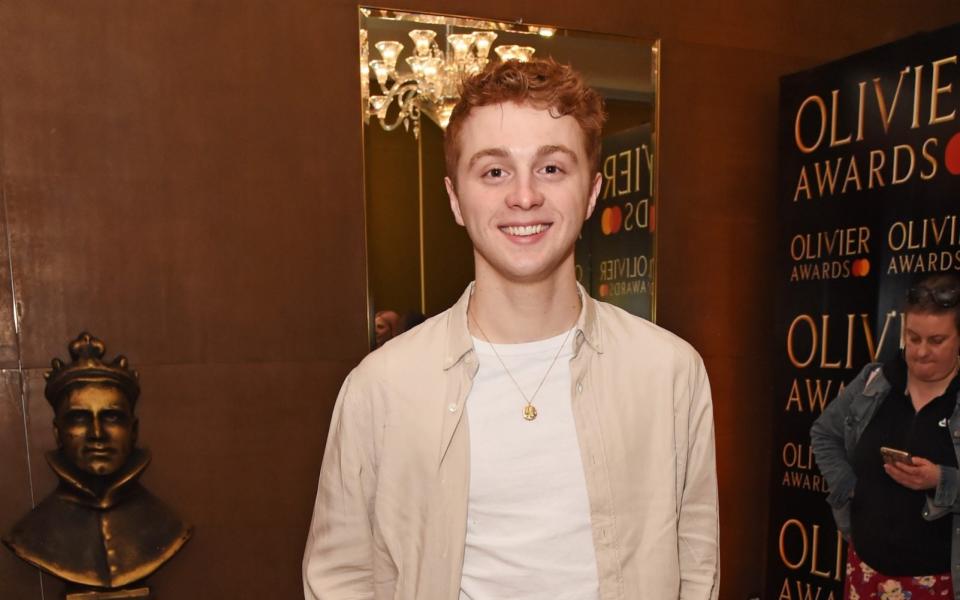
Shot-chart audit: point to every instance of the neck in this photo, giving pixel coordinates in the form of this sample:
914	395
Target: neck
922	392
513	313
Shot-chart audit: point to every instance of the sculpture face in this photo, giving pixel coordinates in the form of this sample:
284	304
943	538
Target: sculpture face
95	429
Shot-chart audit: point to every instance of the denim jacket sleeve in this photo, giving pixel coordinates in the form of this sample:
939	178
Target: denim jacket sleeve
829	439
945	500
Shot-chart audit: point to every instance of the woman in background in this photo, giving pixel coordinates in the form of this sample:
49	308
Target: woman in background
895	508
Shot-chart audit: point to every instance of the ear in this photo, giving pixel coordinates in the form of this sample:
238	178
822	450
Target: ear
454	200
56	434
594	193
135	430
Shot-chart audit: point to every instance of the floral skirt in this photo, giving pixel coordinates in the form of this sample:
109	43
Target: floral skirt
864	583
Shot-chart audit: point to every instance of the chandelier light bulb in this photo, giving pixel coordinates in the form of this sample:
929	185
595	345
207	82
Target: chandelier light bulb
422	41
460	43
483	43
389	51
525	53
507	52
432	69
381	71
416	65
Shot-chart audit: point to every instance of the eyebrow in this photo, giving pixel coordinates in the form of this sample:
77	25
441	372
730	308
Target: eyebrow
494	152
542	151
557	148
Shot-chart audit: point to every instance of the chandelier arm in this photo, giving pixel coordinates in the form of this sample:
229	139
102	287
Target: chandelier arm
405	96
399	84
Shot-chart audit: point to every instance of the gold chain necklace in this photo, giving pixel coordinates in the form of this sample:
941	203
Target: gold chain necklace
529	410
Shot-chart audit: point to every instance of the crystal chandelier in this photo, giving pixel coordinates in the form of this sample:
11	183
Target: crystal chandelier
432	83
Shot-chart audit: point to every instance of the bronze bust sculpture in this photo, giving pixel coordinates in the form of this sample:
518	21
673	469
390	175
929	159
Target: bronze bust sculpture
100	529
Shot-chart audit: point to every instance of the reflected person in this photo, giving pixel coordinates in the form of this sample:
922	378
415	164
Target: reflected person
386	325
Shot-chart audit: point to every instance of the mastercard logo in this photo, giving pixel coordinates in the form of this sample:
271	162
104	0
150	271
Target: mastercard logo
860	267
611	220
951	156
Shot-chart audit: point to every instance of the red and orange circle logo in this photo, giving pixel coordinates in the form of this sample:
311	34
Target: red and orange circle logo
611	220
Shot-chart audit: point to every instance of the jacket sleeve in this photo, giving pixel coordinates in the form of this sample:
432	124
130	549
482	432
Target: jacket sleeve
944	500
338	561
829	448
699	525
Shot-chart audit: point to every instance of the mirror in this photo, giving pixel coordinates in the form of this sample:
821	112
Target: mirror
419	259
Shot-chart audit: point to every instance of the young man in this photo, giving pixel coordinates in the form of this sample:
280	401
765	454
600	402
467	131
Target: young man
529	442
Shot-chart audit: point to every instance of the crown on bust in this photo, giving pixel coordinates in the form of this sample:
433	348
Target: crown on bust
87	366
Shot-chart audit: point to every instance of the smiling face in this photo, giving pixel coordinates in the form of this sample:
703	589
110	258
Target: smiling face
95	429
932	345
523	190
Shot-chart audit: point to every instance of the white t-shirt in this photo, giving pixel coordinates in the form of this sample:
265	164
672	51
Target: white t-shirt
528	518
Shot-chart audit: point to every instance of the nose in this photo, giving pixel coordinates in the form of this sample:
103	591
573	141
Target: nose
524	193
96	429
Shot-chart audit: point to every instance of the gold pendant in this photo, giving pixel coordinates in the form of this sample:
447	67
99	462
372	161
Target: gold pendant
529	412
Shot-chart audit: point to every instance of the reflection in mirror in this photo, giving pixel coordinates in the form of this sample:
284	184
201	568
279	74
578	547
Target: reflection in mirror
419	260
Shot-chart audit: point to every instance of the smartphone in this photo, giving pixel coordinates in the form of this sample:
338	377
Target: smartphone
892	455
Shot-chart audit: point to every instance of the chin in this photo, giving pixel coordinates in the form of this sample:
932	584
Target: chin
930	375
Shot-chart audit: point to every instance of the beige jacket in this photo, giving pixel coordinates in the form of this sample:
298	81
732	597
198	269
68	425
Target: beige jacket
391	508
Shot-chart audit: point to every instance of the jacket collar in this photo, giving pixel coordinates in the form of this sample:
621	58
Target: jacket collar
76	486
588	325
459	343
876	381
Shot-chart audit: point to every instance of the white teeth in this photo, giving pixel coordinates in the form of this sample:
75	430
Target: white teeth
525	229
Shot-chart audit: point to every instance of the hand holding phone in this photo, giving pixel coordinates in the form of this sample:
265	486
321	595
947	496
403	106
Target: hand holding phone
893	455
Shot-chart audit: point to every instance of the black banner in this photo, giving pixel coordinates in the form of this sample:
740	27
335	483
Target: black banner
616	253
868	199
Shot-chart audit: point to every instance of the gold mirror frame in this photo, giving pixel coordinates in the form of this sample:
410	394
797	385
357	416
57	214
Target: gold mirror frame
418	259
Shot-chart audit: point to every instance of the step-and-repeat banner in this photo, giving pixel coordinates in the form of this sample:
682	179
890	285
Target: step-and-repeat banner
868	200
615	254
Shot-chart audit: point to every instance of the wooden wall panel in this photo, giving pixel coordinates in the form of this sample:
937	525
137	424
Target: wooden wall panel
183	179
17	579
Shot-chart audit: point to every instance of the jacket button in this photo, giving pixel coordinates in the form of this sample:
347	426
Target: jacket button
579	387
452	408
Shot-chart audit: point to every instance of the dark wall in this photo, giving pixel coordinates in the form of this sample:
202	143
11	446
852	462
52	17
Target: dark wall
184	179
393	222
